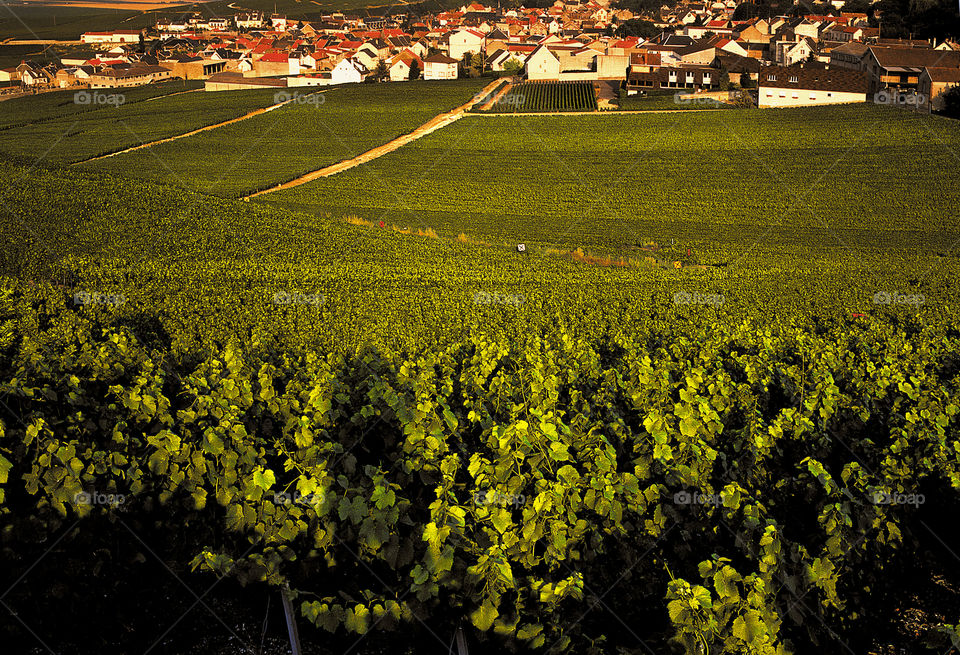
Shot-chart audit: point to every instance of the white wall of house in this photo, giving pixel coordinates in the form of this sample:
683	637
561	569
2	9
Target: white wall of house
439	71
542	65
462	42
399	72
777	97
345	73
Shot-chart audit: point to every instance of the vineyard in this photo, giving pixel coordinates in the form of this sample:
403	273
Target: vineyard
611	181
547	96
207	404
321	129
64	131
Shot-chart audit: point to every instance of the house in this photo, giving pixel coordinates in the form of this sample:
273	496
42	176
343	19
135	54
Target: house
738	67
348	72
934	81
542	64
367	56
849	55
899	67
496	61
810	84
276	63
688	76
32	76
439	67
401	64
790	53
460	42
249	21
9	75
237	82
122	75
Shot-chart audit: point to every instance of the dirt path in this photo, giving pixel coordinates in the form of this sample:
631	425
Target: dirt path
255	112
496	98
611	112
435	123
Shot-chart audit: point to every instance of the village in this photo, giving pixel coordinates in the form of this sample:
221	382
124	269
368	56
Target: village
797	60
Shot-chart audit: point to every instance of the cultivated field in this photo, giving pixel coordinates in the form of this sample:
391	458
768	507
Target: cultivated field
742	180
317	130
709	430
80	134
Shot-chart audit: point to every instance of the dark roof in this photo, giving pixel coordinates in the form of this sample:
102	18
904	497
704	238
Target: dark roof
908	57
737	64
814	78
440	59
940	74
137	70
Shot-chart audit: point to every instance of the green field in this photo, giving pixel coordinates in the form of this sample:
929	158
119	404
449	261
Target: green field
550	450
335	124
43	107
736	181
78	133
667	101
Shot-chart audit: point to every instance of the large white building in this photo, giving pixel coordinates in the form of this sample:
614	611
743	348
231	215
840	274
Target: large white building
116	36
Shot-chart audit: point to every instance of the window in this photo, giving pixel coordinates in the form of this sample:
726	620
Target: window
795	95
794	78
771	78
829	95
813	96
783	95
769	94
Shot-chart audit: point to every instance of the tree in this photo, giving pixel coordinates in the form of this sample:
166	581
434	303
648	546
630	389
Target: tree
477	62
414	70
638	27
512	66
745	81
381	71
723	79
951	101
742	100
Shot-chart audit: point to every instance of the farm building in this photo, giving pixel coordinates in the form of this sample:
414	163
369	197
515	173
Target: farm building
806	85
116	36
933	83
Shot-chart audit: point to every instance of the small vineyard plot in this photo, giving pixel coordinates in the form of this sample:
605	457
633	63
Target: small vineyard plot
547	96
